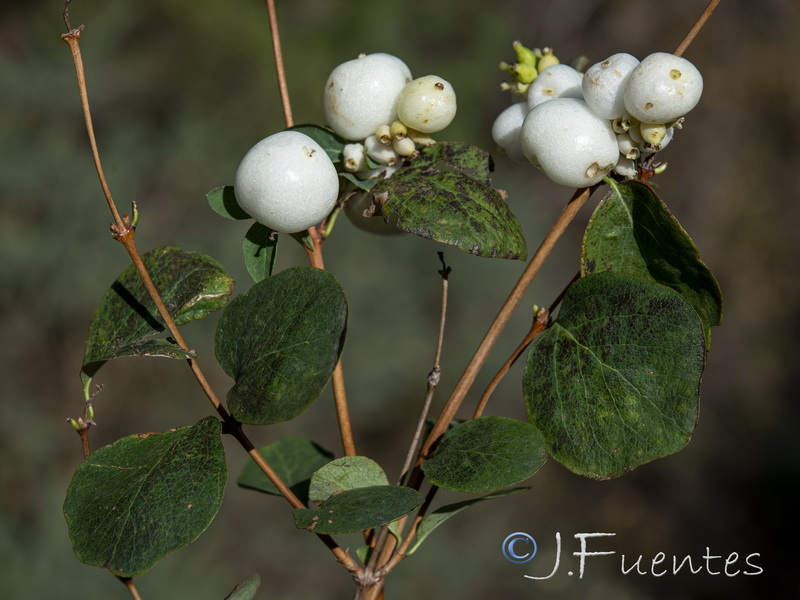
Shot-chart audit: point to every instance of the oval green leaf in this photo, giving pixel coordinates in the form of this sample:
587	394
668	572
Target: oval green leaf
294	459
486	454
632	231
280	342
345	473
259	248
222	201
449	199
133	502
614	382
126	321
359	509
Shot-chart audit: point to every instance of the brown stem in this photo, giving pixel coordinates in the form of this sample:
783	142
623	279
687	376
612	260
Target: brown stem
128	583
479	358
72	38
701	21
276	48
337	378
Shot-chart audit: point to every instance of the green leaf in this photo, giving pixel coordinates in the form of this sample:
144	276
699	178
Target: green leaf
222	200
359	509
614	382
485	454
294	459
448	199
304	240
346	473
459	156
126	321
132	503
440	515
259	249
246	590
280	342
331	142
633	232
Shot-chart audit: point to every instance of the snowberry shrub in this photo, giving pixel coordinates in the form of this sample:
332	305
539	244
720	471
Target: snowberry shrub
634	324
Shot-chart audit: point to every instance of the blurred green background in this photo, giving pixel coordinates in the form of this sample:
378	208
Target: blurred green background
180	90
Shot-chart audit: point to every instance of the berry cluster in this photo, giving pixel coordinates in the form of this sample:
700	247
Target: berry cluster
577	127
373	102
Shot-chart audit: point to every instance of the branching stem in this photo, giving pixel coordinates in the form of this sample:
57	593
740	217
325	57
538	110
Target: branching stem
124	230
479	358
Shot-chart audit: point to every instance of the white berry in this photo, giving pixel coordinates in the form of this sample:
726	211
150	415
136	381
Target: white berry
506	130
556	81
287	182
571	144
427	104
604	85
663	88
361	94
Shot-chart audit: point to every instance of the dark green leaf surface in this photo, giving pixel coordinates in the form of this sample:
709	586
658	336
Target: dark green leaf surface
294	459
222	200
614	382
632	231
259	248
485	454
458	156
346	473
126	321
445	196
246	590
280	342
132	503
359	509
330	141
440	515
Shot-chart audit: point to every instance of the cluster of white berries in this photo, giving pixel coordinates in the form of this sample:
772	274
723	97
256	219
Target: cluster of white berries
577	128
373	102
287	181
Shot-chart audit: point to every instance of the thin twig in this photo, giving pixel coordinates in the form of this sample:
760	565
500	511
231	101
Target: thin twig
433	376
276	48
128	583
538	326
701	21
124	230
540	323
479	358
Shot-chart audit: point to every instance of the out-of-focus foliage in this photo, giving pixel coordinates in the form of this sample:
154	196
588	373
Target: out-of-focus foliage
181	90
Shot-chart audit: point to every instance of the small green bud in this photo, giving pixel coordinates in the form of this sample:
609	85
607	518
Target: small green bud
548	60
398	130
75	425
526	56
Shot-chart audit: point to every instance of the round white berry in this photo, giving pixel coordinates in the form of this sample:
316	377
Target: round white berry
427	104
571	144
604	85
556	81
380	152
663	88
361	94
506	130
287	182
